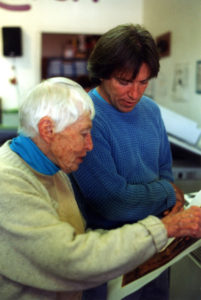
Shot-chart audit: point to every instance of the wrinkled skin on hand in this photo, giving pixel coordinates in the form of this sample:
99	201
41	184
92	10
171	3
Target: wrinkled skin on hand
184	223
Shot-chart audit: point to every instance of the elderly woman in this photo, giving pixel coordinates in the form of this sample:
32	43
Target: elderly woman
45	253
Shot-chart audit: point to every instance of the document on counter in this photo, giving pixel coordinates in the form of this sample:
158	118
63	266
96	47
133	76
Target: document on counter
194	200
175	250
180	126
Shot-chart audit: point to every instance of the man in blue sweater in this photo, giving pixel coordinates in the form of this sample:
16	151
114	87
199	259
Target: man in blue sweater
128	174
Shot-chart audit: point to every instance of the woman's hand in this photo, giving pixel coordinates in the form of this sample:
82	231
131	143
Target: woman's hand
184	223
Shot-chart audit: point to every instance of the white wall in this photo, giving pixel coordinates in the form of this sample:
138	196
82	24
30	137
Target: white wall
83	16
183	19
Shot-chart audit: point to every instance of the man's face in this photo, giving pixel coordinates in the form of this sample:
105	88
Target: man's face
70	146
123	92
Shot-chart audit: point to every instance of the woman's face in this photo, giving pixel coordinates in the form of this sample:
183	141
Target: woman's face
69	147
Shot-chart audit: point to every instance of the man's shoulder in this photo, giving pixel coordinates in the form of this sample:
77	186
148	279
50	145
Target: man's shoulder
149	104
150	101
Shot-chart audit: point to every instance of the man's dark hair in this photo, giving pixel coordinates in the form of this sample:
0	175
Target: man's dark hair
123	49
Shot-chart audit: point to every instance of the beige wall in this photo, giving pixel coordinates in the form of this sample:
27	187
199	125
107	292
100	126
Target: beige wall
55	16
183	19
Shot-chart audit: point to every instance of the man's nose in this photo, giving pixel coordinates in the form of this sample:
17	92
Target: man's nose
133	92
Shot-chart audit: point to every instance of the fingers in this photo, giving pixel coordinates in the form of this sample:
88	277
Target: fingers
177	208
180	201
185	223
166	212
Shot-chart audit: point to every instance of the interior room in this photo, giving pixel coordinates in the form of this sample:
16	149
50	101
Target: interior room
56	37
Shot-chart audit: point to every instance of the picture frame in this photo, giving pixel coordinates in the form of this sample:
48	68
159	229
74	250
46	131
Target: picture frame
163	43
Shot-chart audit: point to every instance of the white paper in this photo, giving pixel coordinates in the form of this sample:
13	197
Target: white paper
180	126
196	200
117	292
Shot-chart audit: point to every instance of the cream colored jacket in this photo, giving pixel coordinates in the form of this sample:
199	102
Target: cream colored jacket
44	253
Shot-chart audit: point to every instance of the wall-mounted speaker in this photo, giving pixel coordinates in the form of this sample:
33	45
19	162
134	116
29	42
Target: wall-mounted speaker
12	41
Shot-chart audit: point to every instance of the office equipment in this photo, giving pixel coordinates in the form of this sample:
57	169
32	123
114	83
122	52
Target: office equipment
185	140
12	41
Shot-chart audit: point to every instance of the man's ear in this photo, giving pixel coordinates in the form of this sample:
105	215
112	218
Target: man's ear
46	129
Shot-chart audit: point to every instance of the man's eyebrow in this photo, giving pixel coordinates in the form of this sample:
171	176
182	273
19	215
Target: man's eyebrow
121	77
148	78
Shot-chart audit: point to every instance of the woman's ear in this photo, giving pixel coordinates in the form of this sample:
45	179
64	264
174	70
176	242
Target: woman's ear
46	129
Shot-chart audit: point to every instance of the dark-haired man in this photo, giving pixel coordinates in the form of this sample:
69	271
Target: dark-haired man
128	174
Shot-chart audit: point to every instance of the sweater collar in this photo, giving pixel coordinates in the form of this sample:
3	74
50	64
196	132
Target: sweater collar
96	93
33	156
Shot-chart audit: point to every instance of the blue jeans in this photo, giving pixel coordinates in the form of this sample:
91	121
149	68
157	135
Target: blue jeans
158	289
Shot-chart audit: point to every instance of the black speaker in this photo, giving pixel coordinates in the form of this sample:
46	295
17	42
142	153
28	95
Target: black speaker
12	41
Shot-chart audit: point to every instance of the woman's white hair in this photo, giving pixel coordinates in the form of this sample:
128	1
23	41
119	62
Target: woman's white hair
62	99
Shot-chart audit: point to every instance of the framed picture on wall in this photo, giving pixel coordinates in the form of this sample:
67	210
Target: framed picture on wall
163	43
198	77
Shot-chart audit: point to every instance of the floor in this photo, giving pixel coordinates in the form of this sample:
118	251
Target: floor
185	280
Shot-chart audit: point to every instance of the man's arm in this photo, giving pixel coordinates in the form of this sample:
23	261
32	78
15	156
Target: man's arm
111	196
165	164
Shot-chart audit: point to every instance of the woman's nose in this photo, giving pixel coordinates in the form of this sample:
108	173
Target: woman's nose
88	142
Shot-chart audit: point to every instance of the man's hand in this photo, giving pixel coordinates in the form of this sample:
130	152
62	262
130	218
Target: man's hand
179	205
184	223
179	200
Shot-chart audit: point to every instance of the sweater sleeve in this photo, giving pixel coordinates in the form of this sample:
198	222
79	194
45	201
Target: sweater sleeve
165	155
39	250
108	194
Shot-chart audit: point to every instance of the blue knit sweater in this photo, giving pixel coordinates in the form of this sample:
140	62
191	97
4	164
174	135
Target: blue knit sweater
126	176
